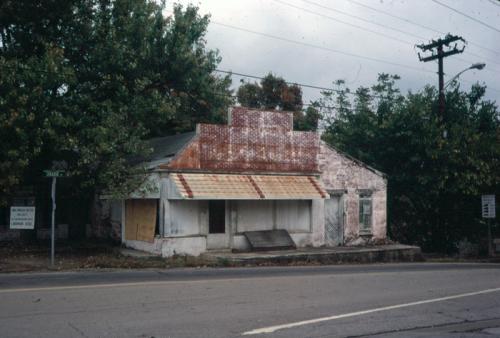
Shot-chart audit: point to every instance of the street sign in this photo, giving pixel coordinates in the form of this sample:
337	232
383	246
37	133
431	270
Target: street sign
488	206
22	218
54	173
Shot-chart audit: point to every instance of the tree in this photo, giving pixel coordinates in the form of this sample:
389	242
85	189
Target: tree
274	92
88	81
434	181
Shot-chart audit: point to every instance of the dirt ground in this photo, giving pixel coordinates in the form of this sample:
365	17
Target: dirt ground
17	257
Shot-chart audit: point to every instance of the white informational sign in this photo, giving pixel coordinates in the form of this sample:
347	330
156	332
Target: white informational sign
488	206
22	217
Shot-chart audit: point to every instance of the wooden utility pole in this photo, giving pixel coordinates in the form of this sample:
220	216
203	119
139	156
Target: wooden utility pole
439	53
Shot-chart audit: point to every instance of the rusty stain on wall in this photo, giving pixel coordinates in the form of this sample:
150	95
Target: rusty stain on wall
255	140
338	172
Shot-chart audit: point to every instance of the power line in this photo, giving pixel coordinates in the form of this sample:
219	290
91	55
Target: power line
314	104
483	58
287	82
342	22
327	49
467	16
496	3
374	32
362	19
415	23
331	50
395	16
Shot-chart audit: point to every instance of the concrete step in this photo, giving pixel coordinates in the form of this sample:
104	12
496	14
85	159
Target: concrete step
269	240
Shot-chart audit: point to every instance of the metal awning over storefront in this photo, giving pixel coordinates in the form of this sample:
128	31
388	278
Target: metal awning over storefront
247	187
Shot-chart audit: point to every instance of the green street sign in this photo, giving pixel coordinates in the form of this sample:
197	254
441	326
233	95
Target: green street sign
54	173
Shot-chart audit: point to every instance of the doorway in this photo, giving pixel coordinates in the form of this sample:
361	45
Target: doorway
334	220
218	233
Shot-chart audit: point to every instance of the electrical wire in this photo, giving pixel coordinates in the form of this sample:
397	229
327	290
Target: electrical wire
371	31
287	82
331	50
466	15
374	32
343	22
362	19
496	3
415	23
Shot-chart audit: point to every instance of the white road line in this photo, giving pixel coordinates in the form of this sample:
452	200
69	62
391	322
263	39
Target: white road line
110	285
132	284
272	329
187	281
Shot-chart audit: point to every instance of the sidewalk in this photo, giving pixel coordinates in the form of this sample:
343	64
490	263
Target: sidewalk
372	254
73	256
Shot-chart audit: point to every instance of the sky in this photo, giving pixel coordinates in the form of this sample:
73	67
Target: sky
317	42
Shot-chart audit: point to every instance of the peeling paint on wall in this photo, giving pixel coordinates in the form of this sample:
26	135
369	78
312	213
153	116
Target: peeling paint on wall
340	173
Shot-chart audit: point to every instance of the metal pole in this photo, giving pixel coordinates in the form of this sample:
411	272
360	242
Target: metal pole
490	244
52	238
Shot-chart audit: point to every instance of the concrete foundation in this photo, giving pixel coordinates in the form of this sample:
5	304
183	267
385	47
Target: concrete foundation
382	253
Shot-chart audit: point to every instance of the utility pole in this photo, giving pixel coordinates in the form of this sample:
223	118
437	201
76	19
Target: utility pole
438	52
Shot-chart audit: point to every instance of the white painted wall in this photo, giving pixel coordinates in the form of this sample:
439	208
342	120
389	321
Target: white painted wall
167	247
293	215
193	246
254	215
185	218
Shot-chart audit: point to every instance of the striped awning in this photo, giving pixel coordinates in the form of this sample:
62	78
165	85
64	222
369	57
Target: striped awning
248	187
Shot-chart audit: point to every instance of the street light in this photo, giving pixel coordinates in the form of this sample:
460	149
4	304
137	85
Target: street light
478	66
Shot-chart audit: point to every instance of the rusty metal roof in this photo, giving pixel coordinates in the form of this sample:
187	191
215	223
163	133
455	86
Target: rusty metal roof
222	186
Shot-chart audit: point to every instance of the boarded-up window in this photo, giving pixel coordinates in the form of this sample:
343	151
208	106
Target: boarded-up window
217	217
140	219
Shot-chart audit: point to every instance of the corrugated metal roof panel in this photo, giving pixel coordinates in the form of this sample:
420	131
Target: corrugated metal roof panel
221	186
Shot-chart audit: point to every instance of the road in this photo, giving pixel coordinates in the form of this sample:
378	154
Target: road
385	300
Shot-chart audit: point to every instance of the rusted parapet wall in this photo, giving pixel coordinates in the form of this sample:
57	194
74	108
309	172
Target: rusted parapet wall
257	141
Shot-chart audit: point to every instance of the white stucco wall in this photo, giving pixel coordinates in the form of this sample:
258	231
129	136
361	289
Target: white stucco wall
254	215
168	247
185	218
294	216
193	246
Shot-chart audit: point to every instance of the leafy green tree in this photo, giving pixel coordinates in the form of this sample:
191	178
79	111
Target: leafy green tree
274	92
88	81
249	95
435	182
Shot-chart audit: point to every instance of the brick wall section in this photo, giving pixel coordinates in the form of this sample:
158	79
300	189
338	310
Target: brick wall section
339	172
257	141
257	119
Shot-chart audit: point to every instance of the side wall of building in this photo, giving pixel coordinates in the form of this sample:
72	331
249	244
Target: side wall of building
351	177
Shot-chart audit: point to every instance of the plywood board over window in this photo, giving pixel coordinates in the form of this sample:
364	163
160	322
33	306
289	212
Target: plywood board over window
140	219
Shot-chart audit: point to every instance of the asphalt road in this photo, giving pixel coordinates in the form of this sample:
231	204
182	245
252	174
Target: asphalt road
387	300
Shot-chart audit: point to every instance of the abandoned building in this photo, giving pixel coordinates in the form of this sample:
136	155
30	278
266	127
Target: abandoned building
208	189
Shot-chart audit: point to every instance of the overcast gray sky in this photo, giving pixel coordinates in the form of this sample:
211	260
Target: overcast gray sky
318	32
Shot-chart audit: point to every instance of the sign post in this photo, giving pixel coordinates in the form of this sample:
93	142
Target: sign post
54	174
489	212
